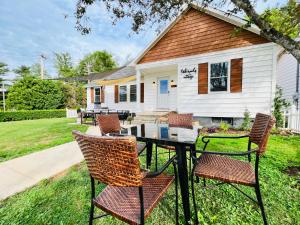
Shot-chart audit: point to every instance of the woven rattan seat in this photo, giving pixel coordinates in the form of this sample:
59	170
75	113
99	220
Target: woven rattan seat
225	169
124	203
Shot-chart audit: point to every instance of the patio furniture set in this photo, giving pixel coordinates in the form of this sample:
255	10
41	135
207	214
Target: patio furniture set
93	114
132	193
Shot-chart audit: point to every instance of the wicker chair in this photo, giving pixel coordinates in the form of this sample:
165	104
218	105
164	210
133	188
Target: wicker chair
111	124
175	120
214	165
130	194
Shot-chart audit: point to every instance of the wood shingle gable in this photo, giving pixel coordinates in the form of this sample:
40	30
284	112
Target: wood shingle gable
197	33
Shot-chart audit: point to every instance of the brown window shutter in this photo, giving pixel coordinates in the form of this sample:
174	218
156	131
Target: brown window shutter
236	75
92	95
102	94
142	92
203	78
116	93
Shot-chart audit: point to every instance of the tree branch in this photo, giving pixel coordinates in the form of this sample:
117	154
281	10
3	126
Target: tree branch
267	30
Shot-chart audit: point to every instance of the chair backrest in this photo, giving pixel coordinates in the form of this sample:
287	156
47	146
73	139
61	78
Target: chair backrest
261	130
182	120
109	123
111	160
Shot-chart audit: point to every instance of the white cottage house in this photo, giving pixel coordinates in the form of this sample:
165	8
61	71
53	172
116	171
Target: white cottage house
196	65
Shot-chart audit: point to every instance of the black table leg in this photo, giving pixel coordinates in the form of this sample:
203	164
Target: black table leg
183	181
149	154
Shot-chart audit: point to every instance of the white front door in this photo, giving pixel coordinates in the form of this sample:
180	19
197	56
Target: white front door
163	93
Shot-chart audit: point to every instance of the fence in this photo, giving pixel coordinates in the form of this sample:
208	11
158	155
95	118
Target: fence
71	113
292	119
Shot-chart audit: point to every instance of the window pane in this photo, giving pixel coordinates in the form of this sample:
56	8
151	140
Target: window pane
219	69
97	95
123	93
163	86
132	93
218	76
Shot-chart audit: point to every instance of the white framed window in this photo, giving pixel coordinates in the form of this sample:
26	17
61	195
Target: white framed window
219	79
133	93
123	93
97	95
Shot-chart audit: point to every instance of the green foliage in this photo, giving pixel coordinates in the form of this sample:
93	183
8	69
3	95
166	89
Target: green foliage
22	71
246	121
99	61
64	65
31	114
3	70
285	20
19	138
224	126
31	93
74	95
279	105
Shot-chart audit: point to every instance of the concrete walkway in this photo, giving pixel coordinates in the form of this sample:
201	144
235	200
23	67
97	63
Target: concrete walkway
18	174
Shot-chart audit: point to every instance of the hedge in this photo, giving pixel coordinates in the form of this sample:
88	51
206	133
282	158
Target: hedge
31	114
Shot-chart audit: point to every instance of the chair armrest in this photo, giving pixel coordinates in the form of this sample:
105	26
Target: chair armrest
223	137
227	153
165	166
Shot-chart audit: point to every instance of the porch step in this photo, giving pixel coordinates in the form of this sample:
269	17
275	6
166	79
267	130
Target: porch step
149	117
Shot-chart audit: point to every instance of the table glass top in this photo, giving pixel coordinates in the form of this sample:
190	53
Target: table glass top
163	132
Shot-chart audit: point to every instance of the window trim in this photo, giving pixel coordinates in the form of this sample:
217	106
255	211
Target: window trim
95	102
130	92
228	76
120	93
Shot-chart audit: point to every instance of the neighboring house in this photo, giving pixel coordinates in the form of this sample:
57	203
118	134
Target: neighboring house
197	65
288	78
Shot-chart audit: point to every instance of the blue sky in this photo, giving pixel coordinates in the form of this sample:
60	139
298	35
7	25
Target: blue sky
33	27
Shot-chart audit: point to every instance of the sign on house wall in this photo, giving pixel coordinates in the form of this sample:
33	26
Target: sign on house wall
188	78
188	72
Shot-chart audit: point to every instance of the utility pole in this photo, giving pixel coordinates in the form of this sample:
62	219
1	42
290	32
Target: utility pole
3	96
88	68
42	58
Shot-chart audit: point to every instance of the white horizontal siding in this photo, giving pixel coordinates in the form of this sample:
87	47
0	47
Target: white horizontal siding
109	100
286	75
150	98
256	94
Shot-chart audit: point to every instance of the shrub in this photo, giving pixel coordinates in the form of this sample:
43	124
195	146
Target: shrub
279	105
224	126
246	121
31	114
31	93
211	130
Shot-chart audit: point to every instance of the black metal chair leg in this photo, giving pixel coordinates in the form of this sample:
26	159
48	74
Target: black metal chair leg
169	154
260	203
194	199
204	182
91	213
176	195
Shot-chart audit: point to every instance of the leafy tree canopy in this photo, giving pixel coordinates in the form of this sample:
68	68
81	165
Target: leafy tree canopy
285	19
22	71
99	61
143	12
3	70
64	65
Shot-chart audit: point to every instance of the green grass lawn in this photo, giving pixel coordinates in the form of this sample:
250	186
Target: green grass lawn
24	137
65	199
